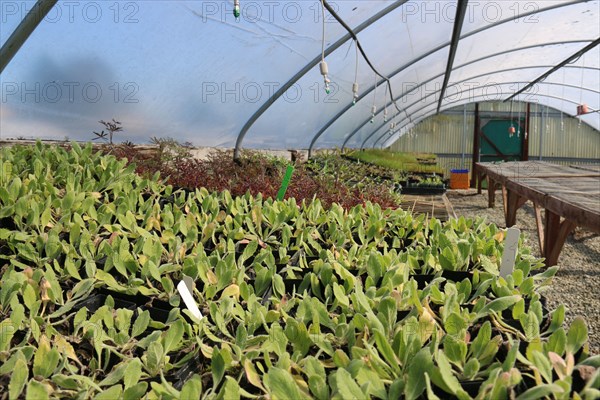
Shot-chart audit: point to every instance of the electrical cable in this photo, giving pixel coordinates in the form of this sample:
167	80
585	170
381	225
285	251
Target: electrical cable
355	84
519	122
323	65
374	106
360	48
385	111
562	105
323	35
511	128
236	9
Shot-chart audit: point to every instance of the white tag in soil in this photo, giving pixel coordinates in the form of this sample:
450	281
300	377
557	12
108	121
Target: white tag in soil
185	289
511	243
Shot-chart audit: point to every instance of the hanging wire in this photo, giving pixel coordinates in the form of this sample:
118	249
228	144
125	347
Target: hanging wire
519	122
581	93
385	111
510	129
323	35
374	106
581	88
355	84
323	65
548	110
236	9
364	55
562	105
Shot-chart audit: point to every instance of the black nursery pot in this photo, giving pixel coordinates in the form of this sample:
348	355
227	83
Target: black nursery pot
159	310
457	276
423	190
94	302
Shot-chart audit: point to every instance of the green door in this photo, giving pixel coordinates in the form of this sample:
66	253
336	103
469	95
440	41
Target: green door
497	144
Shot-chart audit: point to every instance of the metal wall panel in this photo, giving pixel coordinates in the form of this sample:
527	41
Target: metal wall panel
562	135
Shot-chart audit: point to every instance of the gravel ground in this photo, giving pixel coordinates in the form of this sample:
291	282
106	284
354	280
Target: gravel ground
577	283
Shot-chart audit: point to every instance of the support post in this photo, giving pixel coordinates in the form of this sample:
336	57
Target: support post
555	236
464	138
540	226
475	147
542	126
514	203
505	202
491	193
525	145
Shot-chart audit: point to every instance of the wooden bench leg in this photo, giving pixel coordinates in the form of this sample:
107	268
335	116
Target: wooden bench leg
505	202
540	227
480	177
555	235
512	203
491	193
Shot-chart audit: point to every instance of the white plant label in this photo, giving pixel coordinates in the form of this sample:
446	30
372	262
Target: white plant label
511	243
185	289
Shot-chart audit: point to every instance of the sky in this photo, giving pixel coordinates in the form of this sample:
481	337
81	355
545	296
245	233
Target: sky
189	70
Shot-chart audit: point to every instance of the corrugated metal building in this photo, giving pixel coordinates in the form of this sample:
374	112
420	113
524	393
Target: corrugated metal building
564	140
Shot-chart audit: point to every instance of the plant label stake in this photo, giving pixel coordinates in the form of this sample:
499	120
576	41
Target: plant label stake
510	251
286	181
185	289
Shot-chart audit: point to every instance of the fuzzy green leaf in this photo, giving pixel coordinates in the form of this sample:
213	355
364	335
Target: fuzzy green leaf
340	295
415	380
37	391
46	359
217	367
173	336
281	385
112	393
577	335
192	389
471	368
230	390
498	305
541	392
346	386
136	391
133	372
18	379
141	323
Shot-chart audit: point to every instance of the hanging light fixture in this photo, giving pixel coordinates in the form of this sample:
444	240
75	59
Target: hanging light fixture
511	128
355	84
562	103
373	106
519	123
323	65
582	108
236	9
385	111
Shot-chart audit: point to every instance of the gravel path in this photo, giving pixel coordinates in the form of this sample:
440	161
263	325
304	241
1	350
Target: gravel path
577	283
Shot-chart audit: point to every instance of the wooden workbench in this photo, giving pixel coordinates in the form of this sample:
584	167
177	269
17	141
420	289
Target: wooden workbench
570	196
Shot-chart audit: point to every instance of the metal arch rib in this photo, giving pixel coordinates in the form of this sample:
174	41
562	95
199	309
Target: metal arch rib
557	67
461	10
495	72
450	105
485	86
304	70
458	67
24	30
435	50
432	112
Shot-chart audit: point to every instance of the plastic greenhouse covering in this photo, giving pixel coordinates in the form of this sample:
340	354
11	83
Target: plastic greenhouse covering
192	71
